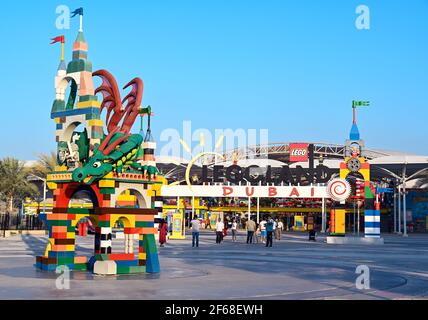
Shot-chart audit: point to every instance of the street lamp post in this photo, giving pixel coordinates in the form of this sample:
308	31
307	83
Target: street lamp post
395	211
404	211
399	209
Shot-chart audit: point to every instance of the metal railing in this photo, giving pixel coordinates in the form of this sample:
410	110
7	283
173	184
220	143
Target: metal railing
13	221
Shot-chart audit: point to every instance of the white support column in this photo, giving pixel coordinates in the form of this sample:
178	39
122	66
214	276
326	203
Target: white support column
395	211
399	209
258	210
354	217
193	207
404	211
358	222
323	216
249	208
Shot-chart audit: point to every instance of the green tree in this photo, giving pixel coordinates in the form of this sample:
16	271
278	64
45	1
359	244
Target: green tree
46	163
14	184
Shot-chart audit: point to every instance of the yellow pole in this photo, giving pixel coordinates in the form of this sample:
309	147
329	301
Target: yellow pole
62	51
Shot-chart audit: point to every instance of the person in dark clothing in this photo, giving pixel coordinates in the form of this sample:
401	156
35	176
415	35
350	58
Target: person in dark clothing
251	227
269	231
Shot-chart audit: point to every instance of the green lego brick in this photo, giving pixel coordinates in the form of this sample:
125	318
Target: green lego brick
65	260
123	270
143	224
58	105
368	194
107	190
80	266
92	116
150	243
101	257
88	98
71	229
59	222
104	223
79	65
137	269
79	211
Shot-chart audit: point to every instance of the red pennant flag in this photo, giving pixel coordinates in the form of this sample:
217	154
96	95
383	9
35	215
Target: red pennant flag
58	39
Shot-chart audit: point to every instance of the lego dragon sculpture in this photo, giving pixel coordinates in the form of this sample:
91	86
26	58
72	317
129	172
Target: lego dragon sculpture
119	150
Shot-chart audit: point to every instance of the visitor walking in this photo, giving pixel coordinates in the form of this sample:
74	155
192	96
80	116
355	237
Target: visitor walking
219	226
257	235
263	230
208	224
269	232
225	227
195	224
251	227
163	230
234	229
279	229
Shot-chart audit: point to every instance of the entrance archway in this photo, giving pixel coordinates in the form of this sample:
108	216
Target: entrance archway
83	198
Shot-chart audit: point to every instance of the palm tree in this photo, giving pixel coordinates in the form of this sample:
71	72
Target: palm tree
14	184
46	163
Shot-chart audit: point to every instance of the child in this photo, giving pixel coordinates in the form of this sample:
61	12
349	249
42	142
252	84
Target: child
258	235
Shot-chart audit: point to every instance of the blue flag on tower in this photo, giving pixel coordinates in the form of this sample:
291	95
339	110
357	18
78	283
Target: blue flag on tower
78	11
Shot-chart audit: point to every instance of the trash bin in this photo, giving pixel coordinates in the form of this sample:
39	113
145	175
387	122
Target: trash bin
312	235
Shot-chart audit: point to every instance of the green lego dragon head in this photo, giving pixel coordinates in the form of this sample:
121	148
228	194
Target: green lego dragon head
97	167
112	154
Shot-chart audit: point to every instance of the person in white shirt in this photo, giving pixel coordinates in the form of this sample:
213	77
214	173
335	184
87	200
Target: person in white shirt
278	230
234	229
195	224
263	230
219	226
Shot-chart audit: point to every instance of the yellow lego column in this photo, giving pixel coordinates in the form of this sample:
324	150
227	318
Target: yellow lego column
337	222
178	231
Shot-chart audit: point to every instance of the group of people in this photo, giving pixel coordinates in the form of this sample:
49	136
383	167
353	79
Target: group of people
264	231
221	230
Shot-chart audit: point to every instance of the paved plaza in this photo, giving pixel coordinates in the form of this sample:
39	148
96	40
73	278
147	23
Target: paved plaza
293	268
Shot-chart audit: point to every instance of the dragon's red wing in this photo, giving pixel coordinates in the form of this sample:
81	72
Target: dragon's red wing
133	99
111	99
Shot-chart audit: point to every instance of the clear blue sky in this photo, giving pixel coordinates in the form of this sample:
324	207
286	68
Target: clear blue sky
292	67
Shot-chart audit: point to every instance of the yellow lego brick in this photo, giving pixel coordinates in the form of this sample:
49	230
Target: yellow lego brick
106	183
142	256
96	122
87	104
124	197
70	247
57	120
109	175
71	235
344	173
60	168
52	185
366	174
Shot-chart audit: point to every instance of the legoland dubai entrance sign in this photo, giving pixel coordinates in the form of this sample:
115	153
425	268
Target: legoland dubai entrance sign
336	189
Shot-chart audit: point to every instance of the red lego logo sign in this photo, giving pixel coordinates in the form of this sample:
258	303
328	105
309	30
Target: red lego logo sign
298	152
